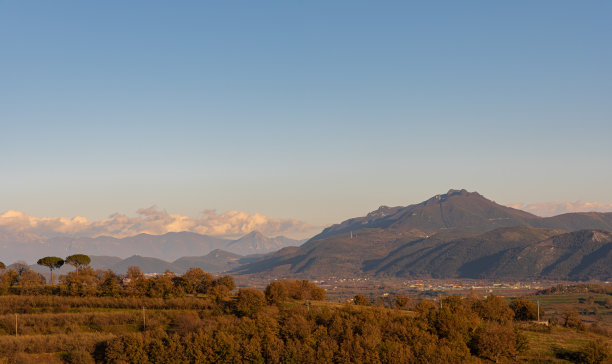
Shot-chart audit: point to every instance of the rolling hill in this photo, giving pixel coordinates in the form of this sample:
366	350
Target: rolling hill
215	262
146	265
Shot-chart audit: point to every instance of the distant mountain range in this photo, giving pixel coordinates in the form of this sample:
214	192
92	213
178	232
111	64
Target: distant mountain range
217	261
170	246
457	234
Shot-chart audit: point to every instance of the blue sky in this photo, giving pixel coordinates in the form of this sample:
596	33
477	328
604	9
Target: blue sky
318	110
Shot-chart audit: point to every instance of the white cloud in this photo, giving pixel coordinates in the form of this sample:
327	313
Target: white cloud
560	207
152	221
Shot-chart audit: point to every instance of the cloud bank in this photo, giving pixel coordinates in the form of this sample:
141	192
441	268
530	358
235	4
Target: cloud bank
546	209
152	221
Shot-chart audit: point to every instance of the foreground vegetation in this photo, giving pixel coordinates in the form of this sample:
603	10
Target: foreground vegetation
248	327
97	316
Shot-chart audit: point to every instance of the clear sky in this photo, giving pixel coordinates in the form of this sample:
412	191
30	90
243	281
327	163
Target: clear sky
313	110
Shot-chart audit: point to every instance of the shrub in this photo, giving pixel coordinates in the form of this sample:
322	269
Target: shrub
294	289
162	286
494	308
110	284
249	301
226	281
83	282
494	341
599	330
594	351
9	345
361	300
401	302
185	323
276	293
524	310
78	356
126	349
195	280
572	319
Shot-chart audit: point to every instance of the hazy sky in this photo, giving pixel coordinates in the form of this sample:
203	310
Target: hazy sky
317	110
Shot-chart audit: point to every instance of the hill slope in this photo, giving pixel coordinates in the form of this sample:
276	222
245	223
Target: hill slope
579	255
146	265
466	257
215	262
457	234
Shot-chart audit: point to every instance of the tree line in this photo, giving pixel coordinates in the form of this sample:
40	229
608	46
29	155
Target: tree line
85	281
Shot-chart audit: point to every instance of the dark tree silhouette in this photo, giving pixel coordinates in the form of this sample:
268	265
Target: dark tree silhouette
401	301
524	310
78	261
361	300
51	263
2	266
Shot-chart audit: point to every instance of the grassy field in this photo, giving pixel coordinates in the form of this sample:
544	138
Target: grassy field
547	344
592	308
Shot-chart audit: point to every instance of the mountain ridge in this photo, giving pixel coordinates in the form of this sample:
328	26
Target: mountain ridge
169	246
413	240
430	216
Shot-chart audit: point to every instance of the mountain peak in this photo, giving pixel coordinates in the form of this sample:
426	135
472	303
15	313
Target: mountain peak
456	209
453	193
255	242
382	211
255	234
461	192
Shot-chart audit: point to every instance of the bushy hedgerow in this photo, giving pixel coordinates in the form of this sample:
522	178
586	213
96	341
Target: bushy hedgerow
280	291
